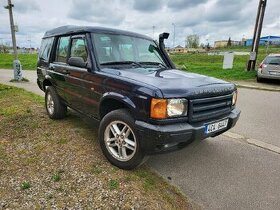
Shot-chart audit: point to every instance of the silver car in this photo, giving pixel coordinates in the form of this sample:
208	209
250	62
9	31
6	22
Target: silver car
269	68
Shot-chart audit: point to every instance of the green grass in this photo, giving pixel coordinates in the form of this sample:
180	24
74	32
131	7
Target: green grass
28	61
211	65
114	184
25	185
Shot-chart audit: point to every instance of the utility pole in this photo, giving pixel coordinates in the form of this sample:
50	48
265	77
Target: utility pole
257	34
154	32
173	35
16	62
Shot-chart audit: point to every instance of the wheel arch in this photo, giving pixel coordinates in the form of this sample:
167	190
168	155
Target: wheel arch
113	101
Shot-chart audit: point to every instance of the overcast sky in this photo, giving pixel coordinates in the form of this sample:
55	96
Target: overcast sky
210	19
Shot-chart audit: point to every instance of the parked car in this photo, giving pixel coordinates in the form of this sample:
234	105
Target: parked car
127	82
269	68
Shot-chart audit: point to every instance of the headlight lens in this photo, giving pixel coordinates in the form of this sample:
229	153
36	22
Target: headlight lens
163	108
177	107
234	98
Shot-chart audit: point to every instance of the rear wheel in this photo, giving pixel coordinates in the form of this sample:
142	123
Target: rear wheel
119	140
55	108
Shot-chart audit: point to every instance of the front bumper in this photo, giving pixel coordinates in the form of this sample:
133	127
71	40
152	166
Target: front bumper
163	138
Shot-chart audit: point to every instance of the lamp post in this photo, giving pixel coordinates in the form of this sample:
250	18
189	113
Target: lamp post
173	35
154	32
16	62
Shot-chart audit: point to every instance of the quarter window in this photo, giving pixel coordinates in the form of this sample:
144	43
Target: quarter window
62	49
45	49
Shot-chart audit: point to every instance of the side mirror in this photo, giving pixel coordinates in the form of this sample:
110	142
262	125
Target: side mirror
77	62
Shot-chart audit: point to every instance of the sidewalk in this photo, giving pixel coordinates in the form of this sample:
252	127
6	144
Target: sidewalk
7	75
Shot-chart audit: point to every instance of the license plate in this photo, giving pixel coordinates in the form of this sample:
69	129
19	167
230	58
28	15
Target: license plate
213	127
274	73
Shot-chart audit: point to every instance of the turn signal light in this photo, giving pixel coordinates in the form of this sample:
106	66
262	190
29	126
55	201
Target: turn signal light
158	108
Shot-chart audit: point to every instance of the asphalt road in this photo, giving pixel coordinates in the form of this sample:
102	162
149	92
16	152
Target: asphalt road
223	172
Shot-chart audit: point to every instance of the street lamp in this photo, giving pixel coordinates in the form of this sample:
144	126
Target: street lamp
16	62
154	32
173	35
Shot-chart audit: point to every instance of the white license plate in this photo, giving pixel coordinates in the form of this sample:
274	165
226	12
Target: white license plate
213	127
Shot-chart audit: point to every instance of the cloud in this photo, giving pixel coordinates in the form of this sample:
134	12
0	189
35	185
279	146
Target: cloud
27	6
210	19
147	5
182	4
96	12
226	10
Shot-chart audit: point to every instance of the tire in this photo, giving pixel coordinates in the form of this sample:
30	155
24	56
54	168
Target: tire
124	149
259	79
55	108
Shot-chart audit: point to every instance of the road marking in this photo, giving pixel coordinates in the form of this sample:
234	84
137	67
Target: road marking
253	142
233	135
264	145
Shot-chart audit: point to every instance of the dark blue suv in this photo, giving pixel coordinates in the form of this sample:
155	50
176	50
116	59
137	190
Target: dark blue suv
128	83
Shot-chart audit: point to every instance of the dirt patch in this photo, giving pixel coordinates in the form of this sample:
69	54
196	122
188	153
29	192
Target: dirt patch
47	164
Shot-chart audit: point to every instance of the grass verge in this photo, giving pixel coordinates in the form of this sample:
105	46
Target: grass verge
28	61
212	65
38	171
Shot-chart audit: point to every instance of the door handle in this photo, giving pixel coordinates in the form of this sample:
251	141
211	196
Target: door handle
65	71
52	67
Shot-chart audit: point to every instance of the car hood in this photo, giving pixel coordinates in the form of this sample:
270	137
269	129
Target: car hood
177	83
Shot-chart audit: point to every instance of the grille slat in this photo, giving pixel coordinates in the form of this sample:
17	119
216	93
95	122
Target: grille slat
209	108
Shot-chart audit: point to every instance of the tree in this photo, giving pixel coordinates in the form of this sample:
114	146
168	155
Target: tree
192	41
229	42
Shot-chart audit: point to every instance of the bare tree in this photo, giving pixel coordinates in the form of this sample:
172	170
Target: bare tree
192	41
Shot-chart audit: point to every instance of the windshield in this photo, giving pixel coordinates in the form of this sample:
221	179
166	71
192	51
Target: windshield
118	51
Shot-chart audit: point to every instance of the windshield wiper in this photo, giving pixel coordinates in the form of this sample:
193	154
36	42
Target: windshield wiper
122	63
161	65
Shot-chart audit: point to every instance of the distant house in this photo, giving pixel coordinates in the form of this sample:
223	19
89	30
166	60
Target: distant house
177	49
223	43
274	40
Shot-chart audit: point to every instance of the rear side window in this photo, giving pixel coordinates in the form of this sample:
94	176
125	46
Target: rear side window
78	48
272	60
62	49
45	49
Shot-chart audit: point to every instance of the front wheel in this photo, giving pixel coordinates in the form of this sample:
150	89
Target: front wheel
119	140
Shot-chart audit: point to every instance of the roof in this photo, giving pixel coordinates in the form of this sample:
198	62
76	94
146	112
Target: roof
71	29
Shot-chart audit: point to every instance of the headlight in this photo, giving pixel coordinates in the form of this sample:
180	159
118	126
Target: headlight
164	108
177	107
234	98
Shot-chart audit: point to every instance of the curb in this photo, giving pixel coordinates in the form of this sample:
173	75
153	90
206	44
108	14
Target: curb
258	88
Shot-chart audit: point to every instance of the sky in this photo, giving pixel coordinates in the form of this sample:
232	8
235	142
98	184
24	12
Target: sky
210	19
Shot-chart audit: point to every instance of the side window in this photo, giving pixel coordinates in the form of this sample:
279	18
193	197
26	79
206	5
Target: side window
62	49
45	48
78	48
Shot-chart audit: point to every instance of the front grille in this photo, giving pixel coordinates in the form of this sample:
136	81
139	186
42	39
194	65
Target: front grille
209	108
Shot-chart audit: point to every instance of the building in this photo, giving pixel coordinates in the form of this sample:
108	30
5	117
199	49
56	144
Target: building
177	49
223	43
274	40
